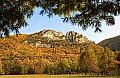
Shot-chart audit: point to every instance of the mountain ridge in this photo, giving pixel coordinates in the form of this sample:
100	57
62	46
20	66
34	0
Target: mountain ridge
45	37
35	54
113	43
55	35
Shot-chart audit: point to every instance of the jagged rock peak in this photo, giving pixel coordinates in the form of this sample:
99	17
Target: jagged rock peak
70	36
51	34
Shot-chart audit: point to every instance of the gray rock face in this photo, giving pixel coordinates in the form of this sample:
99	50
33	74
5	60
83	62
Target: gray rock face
42	38
72	36
51	34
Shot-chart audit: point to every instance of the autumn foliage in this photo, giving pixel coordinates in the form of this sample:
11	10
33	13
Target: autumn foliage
18	57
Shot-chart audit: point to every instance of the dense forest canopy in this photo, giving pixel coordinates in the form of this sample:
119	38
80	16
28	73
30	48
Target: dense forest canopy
19	57
84	13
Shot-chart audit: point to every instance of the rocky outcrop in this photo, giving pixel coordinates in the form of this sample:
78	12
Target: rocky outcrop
42	38
51	34
72	36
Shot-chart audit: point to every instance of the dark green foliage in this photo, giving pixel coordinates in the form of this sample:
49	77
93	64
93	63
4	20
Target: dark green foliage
84	13
30	71
13	15
16	70
50	69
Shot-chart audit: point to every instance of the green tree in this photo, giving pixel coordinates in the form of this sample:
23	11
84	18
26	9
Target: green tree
63	67
13	15
106	60
1	68
7	66
50	69
28	66
84	13
73	65
88	61
12	67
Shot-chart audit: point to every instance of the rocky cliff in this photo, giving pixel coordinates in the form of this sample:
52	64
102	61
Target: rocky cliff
52	34
43	38
72	36
49	34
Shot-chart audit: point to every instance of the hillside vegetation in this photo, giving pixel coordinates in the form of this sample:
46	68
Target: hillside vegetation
112	43
20	55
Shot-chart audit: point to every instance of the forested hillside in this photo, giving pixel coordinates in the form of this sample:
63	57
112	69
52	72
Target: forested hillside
20	55
112	43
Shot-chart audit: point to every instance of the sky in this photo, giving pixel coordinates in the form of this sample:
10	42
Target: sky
38	22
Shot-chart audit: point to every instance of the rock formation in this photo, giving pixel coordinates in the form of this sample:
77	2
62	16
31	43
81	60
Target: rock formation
52	34
72	36
42	38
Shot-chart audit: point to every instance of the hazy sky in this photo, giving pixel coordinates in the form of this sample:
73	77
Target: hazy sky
38	23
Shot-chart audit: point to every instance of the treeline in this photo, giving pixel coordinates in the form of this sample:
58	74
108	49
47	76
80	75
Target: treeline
73	58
